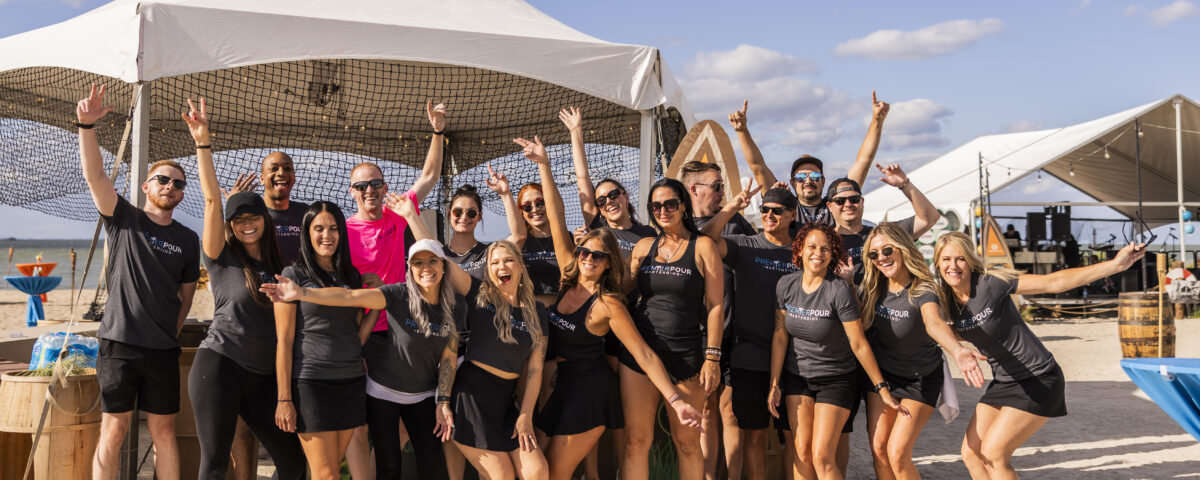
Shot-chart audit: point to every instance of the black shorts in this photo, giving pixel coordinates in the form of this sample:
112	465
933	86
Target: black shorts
925	389
329	405
750	391
864	386
839	390
681	366
130	374
1043	395
726	367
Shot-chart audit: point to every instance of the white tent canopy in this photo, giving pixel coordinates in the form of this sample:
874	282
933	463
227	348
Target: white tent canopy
1097	157
140	40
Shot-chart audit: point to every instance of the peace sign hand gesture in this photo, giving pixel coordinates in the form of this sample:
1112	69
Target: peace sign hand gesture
737	119
92	108
534	151
197	122
742	199
498	182
437	115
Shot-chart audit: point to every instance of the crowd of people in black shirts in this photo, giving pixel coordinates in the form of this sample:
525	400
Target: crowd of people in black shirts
517	355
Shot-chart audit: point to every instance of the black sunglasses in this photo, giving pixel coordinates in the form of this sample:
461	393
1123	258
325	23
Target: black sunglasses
163	180
777	211
716	186
458	212
528	207
596	255
800	177
611	196
362	186
1135	237
883	252
853	199
671	205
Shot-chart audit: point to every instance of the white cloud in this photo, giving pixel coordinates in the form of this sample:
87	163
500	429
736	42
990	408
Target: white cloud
1022	126
931	41
1035	187
916	123
747	62
1169	14
1133	10
1083	4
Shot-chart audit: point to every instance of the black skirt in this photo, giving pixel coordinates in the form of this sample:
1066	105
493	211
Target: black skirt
925	389
1042	395
584	397
329	405
485	409
681	366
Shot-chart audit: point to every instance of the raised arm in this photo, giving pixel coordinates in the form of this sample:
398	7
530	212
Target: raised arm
754	157
285	331
498	182
1063	280
88	112
212	239
433	160
926	213
717	223
573	120
403	206
713	270
940	332
287	291
564	247
870	145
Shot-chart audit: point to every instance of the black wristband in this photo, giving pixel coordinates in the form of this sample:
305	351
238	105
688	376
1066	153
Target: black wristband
84	126
442	399
204	147
286	400
435	132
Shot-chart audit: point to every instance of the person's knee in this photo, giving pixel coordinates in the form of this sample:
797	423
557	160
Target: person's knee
824	458
161	428
897	455
970	452
993	455
879	449
687	445
115	428
638	441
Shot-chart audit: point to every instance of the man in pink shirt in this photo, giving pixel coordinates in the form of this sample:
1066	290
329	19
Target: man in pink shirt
376	237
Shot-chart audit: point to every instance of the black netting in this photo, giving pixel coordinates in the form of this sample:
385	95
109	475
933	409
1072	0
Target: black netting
328	115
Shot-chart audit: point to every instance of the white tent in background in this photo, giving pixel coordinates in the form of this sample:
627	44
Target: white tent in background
1097	157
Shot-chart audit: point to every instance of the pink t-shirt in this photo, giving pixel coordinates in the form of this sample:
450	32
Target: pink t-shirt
378	247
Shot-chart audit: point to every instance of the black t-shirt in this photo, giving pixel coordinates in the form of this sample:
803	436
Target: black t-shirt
473	262
410	363
242	329
486	347
758	265
626	239
147	264
818	345
326	344
855	243
819	213
738	225
287	229
898	336
991	322
542	264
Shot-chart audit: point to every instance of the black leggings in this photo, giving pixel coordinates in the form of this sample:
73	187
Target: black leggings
383	421
220	390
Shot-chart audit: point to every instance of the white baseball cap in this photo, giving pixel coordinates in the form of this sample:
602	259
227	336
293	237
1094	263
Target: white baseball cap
426	245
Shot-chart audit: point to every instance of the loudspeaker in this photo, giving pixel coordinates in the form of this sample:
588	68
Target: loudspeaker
1060	226
1035	228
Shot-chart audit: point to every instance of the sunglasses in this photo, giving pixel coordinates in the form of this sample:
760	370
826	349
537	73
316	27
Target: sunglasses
671	205
853	199
163	180
881	253
1146	236
611	196
529	207
716	186
800	177
362	186
777	211
470	212
596	255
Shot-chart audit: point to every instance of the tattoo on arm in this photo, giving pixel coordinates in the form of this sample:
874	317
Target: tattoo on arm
779	323
445	377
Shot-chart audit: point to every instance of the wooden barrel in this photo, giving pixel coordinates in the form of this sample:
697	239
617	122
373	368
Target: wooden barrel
68	441
1137	323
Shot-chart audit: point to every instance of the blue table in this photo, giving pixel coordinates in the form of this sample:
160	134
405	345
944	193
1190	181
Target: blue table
1173	383
34	287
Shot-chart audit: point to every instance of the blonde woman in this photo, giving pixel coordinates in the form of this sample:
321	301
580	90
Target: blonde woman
901	310
1028	385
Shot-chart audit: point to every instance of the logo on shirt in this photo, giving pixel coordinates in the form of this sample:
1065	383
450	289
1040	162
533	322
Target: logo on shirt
806	314
973	322
775	265
560	322
890	313
434	328
539	256
665	270
287	230
472	266
162	246
369	242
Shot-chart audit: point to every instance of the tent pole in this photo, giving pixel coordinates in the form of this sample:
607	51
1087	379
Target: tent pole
1178	102
648	154
982	245
1137	225
141	146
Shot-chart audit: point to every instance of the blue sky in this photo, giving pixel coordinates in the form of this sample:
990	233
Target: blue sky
952	70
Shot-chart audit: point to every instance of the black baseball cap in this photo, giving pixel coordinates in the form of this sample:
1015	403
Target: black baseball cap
782	196
244	202
806	159
841	185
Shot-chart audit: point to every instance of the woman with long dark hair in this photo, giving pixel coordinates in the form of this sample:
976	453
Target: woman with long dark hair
901	309
1028	386
679	278
318	358
818	338
585	400
233	372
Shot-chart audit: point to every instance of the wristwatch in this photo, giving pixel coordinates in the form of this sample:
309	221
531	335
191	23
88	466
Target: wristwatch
881	385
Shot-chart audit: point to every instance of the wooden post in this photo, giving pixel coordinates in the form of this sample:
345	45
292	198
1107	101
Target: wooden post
72	273
1160	265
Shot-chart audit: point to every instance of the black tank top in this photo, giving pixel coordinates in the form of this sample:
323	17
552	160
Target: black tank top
570	339
671	310
542	264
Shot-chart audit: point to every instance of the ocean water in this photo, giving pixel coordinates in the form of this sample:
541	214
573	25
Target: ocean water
57	251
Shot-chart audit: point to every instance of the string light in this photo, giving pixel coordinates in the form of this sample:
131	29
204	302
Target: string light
1072	170
1106	155
1039	176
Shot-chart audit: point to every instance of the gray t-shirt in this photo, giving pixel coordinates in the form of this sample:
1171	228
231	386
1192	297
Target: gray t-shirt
287	230
242	329
147	264
473	262
855	244
486	347
738	225
991	322
818	346
410	363
326	344
758	265
898	336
